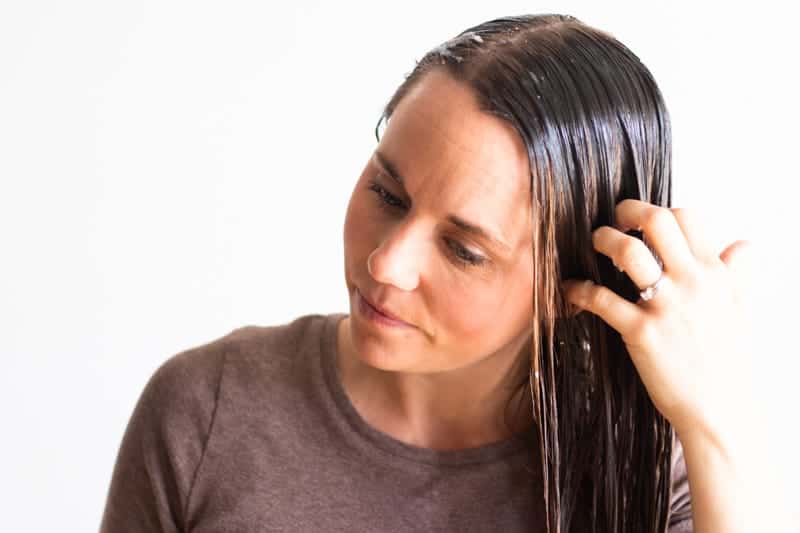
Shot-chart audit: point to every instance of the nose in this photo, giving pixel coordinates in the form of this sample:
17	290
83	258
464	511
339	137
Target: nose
397	260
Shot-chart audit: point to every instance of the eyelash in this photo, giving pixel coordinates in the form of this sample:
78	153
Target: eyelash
460	254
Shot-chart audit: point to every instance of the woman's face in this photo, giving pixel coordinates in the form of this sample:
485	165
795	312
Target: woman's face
442	164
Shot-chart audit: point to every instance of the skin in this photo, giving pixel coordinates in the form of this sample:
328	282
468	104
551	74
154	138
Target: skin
443	382
692	347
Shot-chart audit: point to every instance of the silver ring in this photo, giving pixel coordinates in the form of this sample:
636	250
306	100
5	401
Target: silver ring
649	292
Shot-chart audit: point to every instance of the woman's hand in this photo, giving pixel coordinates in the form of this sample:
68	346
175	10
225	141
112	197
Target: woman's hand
690	343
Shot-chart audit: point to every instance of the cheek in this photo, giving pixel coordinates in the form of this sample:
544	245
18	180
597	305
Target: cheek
472	312
360	227
486	314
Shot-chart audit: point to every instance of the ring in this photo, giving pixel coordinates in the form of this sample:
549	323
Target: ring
649	292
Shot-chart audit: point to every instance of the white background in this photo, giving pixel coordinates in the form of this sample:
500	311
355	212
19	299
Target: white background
173	170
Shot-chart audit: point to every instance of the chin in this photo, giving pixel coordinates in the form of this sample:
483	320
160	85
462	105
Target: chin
375	354
376	350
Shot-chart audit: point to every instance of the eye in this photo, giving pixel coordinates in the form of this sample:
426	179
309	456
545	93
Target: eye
387	198
458	252
463	255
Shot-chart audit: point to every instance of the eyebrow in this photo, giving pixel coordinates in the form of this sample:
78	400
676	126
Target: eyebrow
464	225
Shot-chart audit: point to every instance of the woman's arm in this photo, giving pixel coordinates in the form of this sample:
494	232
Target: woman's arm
732	481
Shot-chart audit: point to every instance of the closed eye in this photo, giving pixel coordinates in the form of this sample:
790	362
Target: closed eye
385	196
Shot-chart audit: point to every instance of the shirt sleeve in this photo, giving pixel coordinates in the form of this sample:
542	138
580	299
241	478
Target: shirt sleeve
163	445
680	520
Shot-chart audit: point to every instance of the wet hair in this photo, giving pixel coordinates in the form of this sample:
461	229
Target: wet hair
596	131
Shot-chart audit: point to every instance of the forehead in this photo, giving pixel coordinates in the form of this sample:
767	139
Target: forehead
466	160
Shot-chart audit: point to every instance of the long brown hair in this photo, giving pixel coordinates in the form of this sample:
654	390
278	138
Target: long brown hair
597	132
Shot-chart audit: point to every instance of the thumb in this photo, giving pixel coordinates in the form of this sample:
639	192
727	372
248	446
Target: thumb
739	258
737	255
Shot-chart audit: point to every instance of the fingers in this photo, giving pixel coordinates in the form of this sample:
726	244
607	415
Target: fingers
739	259
695	231
680	241
662	231
737	255
629	254
616	311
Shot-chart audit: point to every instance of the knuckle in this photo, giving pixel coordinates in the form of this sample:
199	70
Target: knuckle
596	298
629	252
680	211
691	279
646	332
690	285
656	217
684	215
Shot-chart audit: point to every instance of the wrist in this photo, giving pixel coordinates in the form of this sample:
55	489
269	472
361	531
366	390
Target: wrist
728	436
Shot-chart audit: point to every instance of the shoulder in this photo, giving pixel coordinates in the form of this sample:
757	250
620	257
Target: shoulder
278	340
193	376
166	438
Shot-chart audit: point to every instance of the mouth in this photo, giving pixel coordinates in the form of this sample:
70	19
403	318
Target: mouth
375	314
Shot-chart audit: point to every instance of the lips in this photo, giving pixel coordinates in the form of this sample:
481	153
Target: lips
379	309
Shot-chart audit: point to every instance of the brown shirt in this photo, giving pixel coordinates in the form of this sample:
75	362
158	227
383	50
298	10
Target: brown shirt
254	432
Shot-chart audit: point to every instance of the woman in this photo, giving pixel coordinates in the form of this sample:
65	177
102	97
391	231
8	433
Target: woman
477	384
